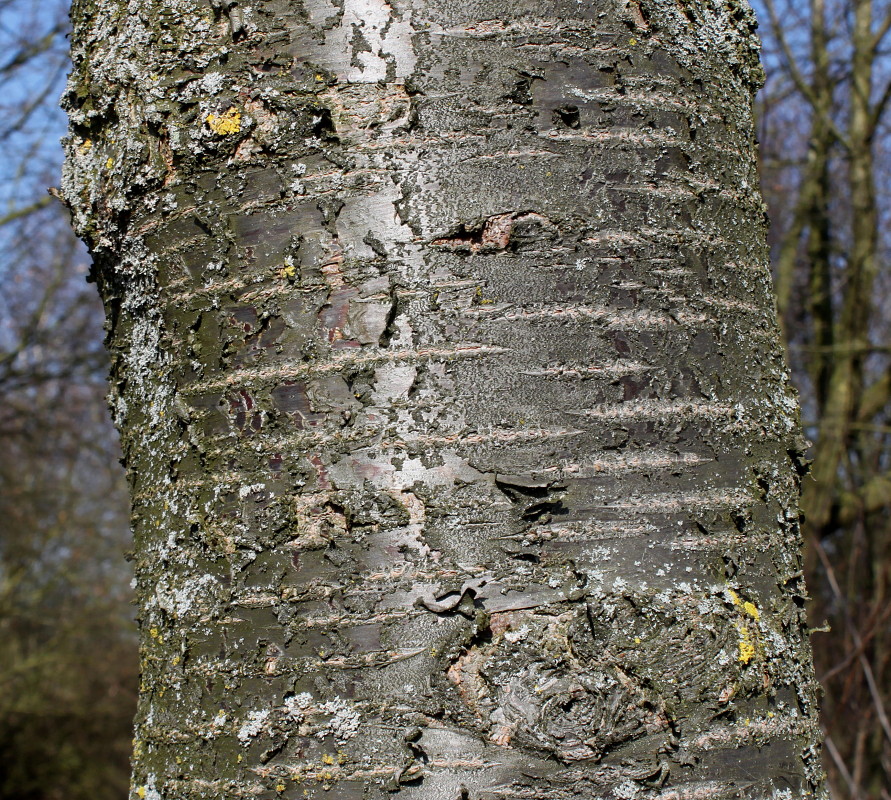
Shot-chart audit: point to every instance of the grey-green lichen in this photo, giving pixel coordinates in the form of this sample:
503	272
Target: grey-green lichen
708	33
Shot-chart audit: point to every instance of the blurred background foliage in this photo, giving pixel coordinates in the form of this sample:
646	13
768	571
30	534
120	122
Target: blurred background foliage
823	122
68	671
68	666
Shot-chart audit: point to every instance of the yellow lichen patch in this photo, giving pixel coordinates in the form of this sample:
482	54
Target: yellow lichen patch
748	606
86	146
747	635
327	758
290	271
109	163
746	645
140	792
226	123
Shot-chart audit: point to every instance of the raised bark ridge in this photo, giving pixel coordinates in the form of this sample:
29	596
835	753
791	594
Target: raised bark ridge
463	457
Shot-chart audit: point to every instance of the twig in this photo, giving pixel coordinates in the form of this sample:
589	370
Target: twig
840	765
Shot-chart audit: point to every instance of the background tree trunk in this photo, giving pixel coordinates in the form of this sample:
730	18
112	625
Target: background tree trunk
462	453
825	137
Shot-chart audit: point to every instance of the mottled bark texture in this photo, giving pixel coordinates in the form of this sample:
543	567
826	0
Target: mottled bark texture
463	457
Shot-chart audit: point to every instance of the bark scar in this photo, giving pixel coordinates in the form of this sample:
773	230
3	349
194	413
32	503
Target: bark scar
497	233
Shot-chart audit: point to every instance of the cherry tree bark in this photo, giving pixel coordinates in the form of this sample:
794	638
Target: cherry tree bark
463	458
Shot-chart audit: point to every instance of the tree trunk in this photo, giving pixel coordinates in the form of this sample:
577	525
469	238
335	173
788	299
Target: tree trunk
463	458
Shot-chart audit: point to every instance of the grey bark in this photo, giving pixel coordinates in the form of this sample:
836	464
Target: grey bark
463	458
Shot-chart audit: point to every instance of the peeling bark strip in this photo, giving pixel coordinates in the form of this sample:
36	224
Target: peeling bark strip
463	455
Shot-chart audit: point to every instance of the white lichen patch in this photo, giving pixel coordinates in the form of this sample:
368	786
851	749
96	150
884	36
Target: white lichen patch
297	706
344	722
517	635
246	491
627	790
209	84
180	600
252	726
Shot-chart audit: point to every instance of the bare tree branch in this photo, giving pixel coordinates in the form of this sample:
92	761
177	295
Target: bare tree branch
796	74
